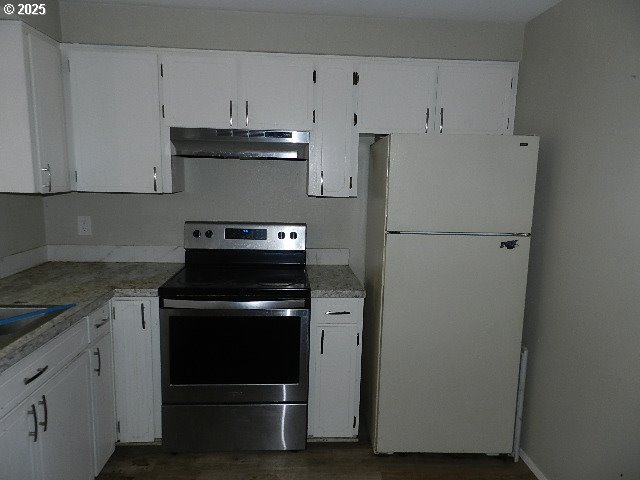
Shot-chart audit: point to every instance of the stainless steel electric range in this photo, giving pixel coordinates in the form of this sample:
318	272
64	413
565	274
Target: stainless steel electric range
234	335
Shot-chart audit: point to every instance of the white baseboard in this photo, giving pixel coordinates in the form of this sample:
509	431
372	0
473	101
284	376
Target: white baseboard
169	254
115	253
532	466
21	261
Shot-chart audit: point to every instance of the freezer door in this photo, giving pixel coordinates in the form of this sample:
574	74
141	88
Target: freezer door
450	343
461	183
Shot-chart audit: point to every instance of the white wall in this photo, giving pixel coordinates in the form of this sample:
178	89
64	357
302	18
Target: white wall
89	22
580	90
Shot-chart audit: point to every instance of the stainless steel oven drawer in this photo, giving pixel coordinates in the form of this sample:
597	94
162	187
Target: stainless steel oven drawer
201	428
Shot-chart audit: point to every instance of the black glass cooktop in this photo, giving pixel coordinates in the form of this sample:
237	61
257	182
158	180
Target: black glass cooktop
216	280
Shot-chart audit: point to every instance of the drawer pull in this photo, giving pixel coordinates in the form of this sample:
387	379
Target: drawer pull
343	312
103	322
28	380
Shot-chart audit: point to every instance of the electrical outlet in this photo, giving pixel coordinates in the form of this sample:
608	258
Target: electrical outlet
84	225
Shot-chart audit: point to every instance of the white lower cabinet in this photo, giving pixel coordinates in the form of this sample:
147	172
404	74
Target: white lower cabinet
64	413
48	436
334	367
136	349
103	400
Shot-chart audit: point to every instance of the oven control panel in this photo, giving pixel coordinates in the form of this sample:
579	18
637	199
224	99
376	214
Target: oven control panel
244	236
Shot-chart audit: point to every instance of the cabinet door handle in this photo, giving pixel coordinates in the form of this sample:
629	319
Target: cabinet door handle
231	113
426	123
343	312
97	353
33	412
246	107
48	170
322	343
155	179
321	183
441	118
28	380
144	324
44	424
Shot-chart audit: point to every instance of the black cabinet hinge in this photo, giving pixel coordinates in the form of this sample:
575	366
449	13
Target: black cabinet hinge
162	111
512	83
314	116
314	76
356	78
161	70
358	339
355	119
76	176
350	187
354	422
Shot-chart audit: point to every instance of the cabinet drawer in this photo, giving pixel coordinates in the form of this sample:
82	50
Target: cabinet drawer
52	356
99	322
336	311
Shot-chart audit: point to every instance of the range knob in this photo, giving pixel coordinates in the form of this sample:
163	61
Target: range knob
196	233
208	234
293	235
281	235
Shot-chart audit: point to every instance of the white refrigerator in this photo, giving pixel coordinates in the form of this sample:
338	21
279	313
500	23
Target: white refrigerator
448	231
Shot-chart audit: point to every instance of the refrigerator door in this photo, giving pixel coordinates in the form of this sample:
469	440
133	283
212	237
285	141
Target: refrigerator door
450	343
461	183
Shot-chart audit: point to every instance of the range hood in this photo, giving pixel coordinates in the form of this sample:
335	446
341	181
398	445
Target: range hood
242	144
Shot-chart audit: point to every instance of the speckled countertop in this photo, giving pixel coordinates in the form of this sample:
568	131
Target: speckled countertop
334	281
88	285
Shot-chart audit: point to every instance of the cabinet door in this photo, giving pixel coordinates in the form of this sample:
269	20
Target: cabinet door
104	412
17	450
115	120
64	408
201	91
276	92
333	152
476	98
336	349
396	97
133	365
52	170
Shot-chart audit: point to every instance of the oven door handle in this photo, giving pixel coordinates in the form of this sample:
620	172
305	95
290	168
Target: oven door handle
231	305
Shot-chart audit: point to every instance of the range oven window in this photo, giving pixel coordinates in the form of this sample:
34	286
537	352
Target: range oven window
234	350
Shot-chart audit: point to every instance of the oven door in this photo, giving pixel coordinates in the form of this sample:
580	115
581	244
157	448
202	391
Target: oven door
234	352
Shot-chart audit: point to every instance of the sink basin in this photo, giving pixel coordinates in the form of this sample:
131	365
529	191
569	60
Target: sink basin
11	331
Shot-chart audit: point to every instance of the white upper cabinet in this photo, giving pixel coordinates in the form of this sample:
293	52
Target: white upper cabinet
115	119
33	154
246	91
200	90
396	96
333	151
476	97
277	92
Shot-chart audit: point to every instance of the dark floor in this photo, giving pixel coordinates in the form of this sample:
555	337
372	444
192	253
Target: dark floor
320	461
